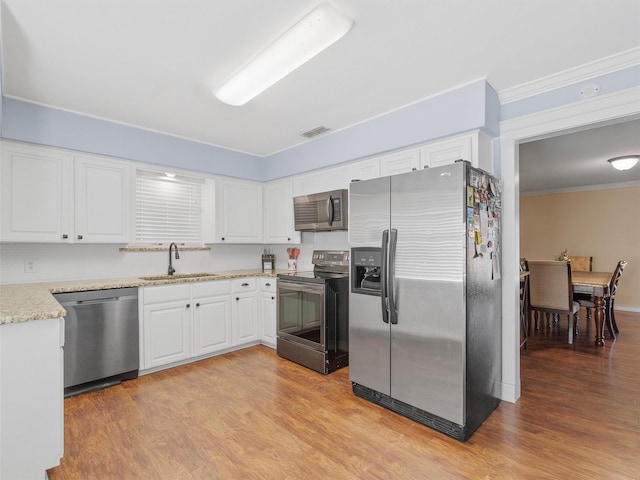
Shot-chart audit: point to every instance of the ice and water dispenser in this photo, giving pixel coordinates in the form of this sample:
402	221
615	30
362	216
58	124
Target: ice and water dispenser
366	267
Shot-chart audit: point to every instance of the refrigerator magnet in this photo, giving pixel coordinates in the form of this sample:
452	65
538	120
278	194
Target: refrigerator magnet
474	181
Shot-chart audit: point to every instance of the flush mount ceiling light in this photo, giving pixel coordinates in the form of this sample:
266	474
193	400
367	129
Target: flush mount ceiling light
625	162
307	38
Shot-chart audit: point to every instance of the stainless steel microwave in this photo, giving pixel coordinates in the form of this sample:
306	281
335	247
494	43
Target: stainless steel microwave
321	212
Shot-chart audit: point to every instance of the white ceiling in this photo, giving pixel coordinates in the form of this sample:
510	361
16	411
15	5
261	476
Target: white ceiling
579	159
154	63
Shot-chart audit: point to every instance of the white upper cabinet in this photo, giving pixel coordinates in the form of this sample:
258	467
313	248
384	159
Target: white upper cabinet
365	169
103	201
278	213
51	196
323	181
400	162
37	194
474	147
239	212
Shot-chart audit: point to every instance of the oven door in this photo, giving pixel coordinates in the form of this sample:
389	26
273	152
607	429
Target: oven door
301	313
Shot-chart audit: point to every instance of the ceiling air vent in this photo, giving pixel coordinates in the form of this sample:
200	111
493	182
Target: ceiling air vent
314	132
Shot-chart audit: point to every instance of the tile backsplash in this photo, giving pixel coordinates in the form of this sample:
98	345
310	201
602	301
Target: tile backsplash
37	262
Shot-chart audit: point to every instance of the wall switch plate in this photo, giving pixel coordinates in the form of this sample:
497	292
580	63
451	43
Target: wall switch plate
29	265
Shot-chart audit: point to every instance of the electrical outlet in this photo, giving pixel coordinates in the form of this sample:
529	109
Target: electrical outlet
29	266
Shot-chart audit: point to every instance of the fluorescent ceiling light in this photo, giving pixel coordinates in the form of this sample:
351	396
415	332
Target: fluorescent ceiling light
624	163
307	38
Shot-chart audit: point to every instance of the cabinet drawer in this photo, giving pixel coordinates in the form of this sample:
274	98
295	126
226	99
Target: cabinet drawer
268	284
240	285
166	293
206	289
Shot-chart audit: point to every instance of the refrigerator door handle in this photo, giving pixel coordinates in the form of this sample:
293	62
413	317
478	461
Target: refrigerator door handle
393	240
383	276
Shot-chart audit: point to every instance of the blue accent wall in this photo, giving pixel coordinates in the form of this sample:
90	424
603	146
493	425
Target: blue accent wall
473	106
33	123
608	83
452	112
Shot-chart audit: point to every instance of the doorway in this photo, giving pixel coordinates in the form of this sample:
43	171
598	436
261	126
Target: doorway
616	107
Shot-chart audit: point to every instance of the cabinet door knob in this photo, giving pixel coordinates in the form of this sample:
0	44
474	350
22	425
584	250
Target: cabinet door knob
65	236
289	238
188	305
79	237
223	239
245	285
197	304
267	284
273	298
237	298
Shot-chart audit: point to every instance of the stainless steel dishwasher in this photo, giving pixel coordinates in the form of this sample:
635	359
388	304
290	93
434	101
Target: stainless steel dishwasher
101	338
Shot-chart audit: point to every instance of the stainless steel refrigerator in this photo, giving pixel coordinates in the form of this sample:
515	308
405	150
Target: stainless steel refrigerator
425	297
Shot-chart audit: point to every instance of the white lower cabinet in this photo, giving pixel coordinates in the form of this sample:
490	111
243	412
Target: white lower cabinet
211	317
166	325
244	311
268	303
31	398
184	321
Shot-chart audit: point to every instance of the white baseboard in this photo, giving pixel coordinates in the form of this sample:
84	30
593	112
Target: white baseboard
627	308
509	393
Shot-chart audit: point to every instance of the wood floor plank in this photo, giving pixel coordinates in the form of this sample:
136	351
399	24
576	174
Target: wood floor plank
252	415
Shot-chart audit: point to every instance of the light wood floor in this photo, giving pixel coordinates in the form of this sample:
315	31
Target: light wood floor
253	415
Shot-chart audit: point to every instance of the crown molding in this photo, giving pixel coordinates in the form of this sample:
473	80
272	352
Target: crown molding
604	186
572	117
612	63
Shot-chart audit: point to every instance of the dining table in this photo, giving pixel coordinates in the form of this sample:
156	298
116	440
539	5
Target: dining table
595	284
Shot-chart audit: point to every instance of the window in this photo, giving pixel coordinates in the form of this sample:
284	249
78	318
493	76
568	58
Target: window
168	208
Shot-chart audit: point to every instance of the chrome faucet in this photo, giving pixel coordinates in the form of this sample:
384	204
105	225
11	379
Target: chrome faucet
171	269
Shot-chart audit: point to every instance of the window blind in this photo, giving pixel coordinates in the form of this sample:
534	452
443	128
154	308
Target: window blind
168	209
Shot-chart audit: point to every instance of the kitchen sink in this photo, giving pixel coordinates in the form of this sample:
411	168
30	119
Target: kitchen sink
177	276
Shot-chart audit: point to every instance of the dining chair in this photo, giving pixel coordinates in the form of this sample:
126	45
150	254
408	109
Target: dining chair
609	316
524	302
581	263
551	290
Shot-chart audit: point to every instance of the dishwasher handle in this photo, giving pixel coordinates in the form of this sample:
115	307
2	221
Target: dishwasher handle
97	300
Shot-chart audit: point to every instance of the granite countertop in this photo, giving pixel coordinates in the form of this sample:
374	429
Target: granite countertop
22	302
